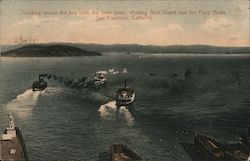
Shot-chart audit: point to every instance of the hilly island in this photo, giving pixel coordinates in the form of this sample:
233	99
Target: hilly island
49	51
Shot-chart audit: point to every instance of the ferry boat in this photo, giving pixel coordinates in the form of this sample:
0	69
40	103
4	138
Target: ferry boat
40	84
97	80
121	152
12	146
125	96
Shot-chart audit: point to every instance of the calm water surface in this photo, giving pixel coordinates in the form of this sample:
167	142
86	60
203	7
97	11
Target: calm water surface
209	94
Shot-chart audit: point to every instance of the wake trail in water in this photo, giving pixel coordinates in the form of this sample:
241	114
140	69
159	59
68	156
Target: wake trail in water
110	109
106	109
24	103
127	115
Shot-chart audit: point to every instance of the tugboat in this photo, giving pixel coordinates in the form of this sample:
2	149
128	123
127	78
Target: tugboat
125	96
12	146
40	84
121	152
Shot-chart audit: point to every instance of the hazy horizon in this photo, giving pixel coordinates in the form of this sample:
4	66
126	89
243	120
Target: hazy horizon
93	43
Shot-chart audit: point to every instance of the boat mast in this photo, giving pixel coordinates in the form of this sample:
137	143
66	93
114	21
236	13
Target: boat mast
11	122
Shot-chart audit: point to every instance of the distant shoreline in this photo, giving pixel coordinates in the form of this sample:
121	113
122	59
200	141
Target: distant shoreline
77	49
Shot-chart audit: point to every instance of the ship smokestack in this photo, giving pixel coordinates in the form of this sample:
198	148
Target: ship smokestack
42	75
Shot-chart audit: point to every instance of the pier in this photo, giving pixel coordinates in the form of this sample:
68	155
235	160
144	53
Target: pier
12	146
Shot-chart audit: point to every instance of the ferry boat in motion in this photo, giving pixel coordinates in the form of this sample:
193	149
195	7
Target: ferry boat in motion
97	80
40	84
125	96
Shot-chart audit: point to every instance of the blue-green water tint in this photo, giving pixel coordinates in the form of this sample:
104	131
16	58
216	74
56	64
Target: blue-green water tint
210	94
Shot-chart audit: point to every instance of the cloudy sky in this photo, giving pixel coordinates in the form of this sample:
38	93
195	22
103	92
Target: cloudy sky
159	22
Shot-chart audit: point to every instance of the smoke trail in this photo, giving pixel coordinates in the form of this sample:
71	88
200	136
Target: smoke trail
72	83
78	84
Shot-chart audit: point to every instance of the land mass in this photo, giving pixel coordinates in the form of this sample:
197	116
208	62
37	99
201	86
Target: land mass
192	49
78	49
58	50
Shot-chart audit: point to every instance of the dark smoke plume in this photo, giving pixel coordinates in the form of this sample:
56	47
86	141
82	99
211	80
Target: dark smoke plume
78	84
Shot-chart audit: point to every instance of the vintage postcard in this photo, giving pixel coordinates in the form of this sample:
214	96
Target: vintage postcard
124	80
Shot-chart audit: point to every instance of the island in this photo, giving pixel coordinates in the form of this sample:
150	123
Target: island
49	51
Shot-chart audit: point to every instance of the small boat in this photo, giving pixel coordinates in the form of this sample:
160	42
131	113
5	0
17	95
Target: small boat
125	96
208	147
12	143
121	152
40	84
152	74
213	149
125	70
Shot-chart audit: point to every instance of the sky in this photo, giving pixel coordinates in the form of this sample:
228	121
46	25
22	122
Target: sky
147	22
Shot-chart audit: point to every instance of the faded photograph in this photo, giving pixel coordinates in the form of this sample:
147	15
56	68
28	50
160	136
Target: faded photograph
124	80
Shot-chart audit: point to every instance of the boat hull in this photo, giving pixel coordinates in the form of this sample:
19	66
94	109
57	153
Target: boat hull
39	86
208	147
211	149
121	152
125	102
